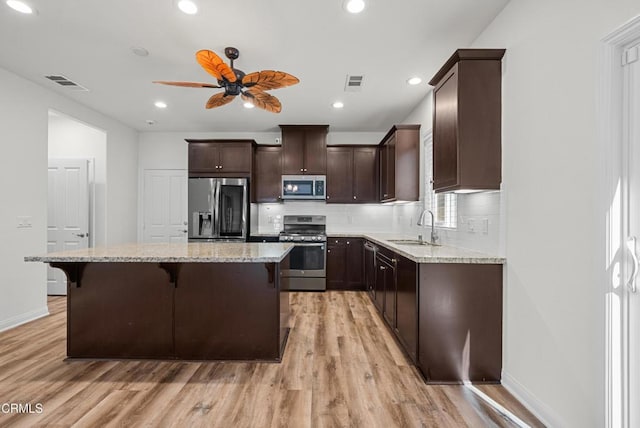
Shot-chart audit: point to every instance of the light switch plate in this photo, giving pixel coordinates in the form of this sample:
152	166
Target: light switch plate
24	222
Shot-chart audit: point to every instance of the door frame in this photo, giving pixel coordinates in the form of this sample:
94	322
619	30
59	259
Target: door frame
612	202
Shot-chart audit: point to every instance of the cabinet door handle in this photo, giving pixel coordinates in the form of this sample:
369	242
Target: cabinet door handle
328	251
348	242
385	195
383	268
220	166
355	197
394	261
301	169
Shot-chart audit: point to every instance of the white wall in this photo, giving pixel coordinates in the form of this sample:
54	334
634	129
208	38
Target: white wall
554	344
24	110
71	139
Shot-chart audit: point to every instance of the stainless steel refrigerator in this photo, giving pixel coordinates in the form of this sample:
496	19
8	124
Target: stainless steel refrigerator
218	209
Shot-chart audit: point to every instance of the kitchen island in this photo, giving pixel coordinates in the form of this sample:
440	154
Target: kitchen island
195	301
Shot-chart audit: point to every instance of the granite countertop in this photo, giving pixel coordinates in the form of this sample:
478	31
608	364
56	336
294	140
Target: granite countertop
193	252
425	253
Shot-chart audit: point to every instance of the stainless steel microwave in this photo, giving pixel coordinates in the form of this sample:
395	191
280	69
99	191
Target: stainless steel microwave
304	187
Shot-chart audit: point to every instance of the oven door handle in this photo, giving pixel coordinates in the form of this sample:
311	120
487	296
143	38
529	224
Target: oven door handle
309	244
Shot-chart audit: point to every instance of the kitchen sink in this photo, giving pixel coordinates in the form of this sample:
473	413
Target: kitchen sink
412	242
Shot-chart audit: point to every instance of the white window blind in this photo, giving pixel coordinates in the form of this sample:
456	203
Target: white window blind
443	205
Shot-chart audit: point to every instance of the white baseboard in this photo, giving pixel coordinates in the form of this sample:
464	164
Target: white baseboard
540	410
23	318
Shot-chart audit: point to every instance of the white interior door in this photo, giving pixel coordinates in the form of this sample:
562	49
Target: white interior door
67	213
632	289
165	206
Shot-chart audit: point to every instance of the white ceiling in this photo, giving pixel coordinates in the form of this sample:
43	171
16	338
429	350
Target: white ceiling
90	42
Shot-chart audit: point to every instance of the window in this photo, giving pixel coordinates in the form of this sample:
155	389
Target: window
443	205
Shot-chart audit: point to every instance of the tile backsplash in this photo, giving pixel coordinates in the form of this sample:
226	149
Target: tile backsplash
479	220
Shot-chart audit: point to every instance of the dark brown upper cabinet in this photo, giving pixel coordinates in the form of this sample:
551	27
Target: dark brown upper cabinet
304	149
400	164
267	173
221	158
352	174
467	121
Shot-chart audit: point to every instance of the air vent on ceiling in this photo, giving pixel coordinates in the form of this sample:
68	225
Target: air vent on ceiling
64	81
354	83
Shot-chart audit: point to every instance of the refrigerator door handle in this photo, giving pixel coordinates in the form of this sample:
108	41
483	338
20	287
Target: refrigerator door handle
631	246
216	209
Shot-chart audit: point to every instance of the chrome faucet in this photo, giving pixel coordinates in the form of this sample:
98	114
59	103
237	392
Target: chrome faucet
421	222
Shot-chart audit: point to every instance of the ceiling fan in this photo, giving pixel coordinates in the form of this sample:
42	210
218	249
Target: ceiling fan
235	82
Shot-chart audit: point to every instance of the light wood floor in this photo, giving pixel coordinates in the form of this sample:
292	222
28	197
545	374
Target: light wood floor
341	368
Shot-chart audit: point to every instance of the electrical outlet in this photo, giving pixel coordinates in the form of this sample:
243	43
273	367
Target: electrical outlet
270	219
485	226
277	140
471	225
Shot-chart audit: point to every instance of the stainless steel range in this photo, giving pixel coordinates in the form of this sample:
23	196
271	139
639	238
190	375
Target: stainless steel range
308	259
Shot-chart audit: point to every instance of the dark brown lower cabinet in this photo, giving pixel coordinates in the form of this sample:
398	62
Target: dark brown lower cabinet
345	264
386	281
446	317
460	323
407	305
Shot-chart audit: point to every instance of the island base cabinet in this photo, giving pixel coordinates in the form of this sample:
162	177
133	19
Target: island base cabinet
460	323
226	312
185	311
119	310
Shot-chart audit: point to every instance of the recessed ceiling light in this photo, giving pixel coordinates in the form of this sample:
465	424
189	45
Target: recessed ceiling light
338	104
248	105
160	104
188	7
354	6
414	81
140	51
19	6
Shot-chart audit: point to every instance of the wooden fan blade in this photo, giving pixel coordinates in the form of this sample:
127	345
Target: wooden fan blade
262	100
268	79
215	66
220	99
187	84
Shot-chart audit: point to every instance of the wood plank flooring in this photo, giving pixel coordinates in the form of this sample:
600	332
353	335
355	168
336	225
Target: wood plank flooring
341	368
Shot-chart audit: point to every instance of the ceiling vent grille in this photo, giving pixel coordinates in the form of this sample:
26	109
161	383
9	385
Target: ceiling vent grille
354	83
64	81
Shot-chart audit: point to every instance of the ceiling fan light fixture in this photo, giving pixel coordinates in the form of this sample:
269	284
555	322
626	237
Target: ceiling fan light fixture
160	104
338	104
354	6
414	81
248	105
20	6
188	7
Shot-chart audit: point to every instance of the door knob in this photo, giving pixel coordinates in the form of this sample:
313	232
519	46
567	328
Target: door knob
185	231
81	235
